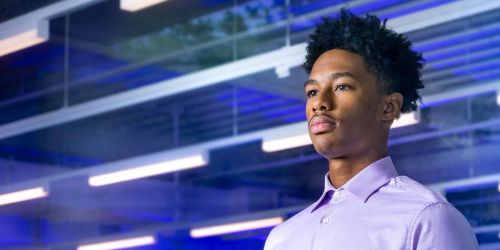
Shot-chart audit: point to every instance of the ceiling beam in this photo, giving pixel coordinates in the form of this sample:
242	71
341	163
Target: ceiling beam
31	19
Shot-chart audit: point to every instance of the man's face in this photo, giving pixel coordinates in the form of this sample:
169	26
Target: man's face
343	108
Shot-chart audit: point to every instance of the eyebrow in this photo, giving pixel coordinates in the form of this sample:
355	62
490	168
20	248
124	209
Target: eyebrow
333	76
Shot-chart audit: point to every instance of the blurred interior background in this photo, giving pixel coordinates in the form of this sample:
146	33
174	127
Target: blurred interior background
156	123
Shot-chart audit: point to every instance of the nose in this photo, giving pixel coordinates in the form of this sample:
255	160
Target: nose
323	102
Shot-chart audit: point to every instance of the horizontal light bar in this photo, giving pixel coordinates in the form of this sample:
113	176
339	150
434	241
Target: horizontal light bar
23	195
406	120
235	227
286	143
120	244
148	170
135	5
20	41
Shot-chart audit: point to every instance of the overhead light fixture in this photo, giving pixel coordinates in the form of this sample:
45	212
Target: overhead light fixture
120	244
23	195
406	120
285	137
286	143
235	227
135	5
25	39
149	170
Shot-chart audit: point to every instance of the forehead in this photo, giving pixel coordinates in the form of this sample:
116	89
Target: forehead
340	60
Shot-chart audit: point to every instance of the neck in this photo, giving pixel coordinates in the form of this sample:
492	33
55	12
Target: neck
342	169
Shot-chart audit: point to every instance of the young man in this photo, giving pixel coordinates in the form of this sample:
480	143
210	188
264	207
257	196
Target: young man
361	77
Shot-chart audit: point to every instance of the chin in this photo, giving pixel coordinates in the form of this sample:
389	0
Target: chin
328	151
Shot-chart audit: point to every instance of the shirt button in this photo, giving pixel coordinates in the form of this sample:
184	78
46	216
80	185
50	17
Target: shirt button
325	220
336	195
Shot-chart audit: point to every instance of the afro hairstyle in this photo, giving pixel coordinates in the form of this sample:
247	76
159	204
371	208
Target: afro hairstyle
387	54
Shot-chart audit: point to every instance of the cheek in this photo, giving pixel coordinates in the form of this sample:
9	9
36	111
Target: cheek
348	108
308	110
360	114
354	118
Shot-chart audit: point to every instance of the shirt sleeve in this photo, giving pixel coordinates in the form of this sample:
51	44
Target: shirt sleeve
272	239
442	226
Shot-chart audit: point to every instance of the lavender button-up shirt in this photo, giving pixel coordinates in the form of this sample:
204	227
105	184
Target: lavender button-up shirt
376	209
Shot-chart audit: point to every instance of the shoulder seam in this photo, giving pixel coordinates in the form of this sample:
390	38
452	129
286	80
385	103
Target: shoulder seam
417	193
412	225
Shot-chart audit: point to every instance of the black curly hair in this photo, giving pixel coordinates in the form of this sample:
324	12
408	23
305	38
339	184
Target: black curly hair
387	54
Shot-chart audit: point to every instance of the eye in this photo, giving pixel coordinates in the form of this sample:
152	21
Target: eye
311	93
342	87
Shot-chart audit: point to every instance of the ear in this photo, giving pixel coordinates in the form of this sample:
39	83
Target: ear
392	106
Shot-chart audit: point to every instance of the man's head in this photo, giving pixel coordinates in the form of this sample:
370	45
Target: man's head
362	76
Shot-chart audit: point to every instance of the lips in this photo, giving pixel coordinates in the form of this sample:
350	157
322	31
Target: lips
321	124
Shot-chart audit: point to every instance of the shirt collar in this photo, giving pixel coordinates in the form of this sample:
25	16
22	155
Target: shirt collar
364	183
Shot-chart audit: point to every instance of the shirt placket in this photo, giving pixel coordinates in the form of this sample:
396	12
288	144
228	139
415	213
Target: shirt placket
324	215
330	207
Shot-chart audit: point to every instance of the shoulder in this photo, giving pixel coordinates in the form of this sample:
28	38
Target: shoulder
441	226
407	197
435	223
416	190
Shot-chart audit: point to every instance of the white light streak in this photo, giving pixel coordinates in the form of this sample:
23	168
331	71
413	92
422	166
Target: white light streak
135	5
148	170
120	244
235	227
286	143
23	195
406	120
20	41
